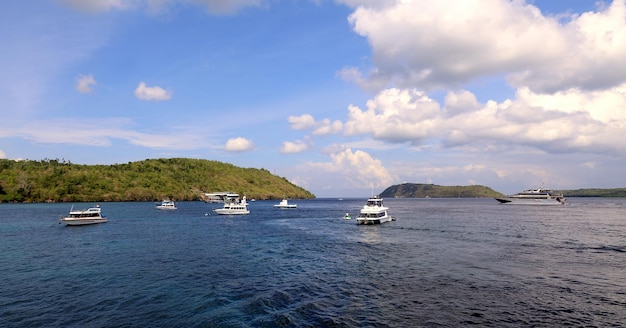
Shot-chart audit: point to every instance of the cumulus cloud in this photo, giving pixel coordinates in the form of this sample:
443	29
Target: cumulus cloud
357	168
323	127
238	145
430	44
570	121
297	146
302	122
397	116
155	93
85	83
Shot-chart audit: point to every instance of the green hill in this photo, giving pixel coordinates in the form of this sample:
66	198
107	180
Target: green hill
595	192
418	190
147	180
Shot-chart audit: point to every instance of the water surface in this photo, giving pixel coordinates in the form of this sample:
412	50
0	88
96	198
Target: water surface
444	262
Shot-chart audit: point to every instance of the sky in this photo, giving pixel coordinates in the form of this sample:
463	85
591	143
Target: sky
341	97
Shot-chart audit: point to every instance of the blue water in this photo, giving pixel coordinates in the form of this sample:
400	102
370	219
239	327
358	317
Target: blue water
444	262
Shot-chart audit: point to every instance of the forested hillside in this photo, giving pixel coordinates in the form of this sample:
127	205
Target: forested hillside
419	190
147	180
595	192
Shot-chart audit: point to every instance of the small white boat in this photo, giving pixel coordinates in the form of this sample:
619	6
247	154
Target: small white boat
534	197
285	204
234	208
91	215
167	204
347	217
374	212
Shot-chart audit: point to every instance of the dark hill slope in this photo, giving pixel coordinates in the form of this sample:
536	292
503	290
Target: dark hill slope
147	180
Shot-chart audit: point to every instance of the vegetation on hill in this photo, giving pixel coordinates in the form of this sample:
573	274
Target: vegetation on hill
418	190
594	192
148	180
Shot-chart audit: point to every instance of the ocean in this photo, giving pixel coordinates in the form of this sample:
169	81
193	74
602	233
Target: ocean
442	263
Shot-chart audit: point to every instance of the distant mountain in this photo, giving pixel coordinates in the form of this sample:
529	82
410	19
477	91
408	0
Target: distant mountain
147	180
595	192
419	190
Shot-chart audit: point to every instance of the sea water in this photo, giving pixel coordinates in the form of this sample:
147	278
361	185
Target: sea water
443	262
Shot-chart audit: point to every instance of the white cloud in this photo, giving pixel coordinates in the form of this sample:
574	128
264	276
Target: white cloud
85	83
397	116
323	127
3	155
155	93
358	169
302	122
327	126
430	44
55	131
593	58
572	121
238	145
297	146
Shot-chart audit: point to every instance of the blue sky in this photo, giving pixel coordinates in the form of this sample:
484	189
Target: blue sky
341	97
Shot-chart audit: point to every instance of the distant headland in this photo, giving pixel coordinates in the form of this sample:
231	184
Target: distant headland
421	190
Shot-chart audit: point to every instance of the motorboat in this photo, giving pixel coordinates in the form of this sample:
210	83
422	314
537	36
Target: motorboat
285	204
534	197
347	216
167	204
374	212
234	208
91	215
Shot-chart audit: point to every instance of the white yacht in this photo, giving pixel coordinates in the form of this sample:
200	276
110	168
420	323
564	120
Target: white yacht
285	204
234	208
91	215
534	197
374	212
167	204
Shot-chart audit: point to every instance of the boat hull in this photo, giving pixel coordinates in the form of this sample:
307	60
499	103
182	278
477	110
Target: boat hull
222	211
368	221
161	207
82	221
517	201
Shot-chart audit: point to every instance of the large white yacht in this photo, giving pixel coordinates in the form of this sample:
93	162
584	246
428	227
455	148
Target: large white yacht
534	197
91	215
234	208
374	212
